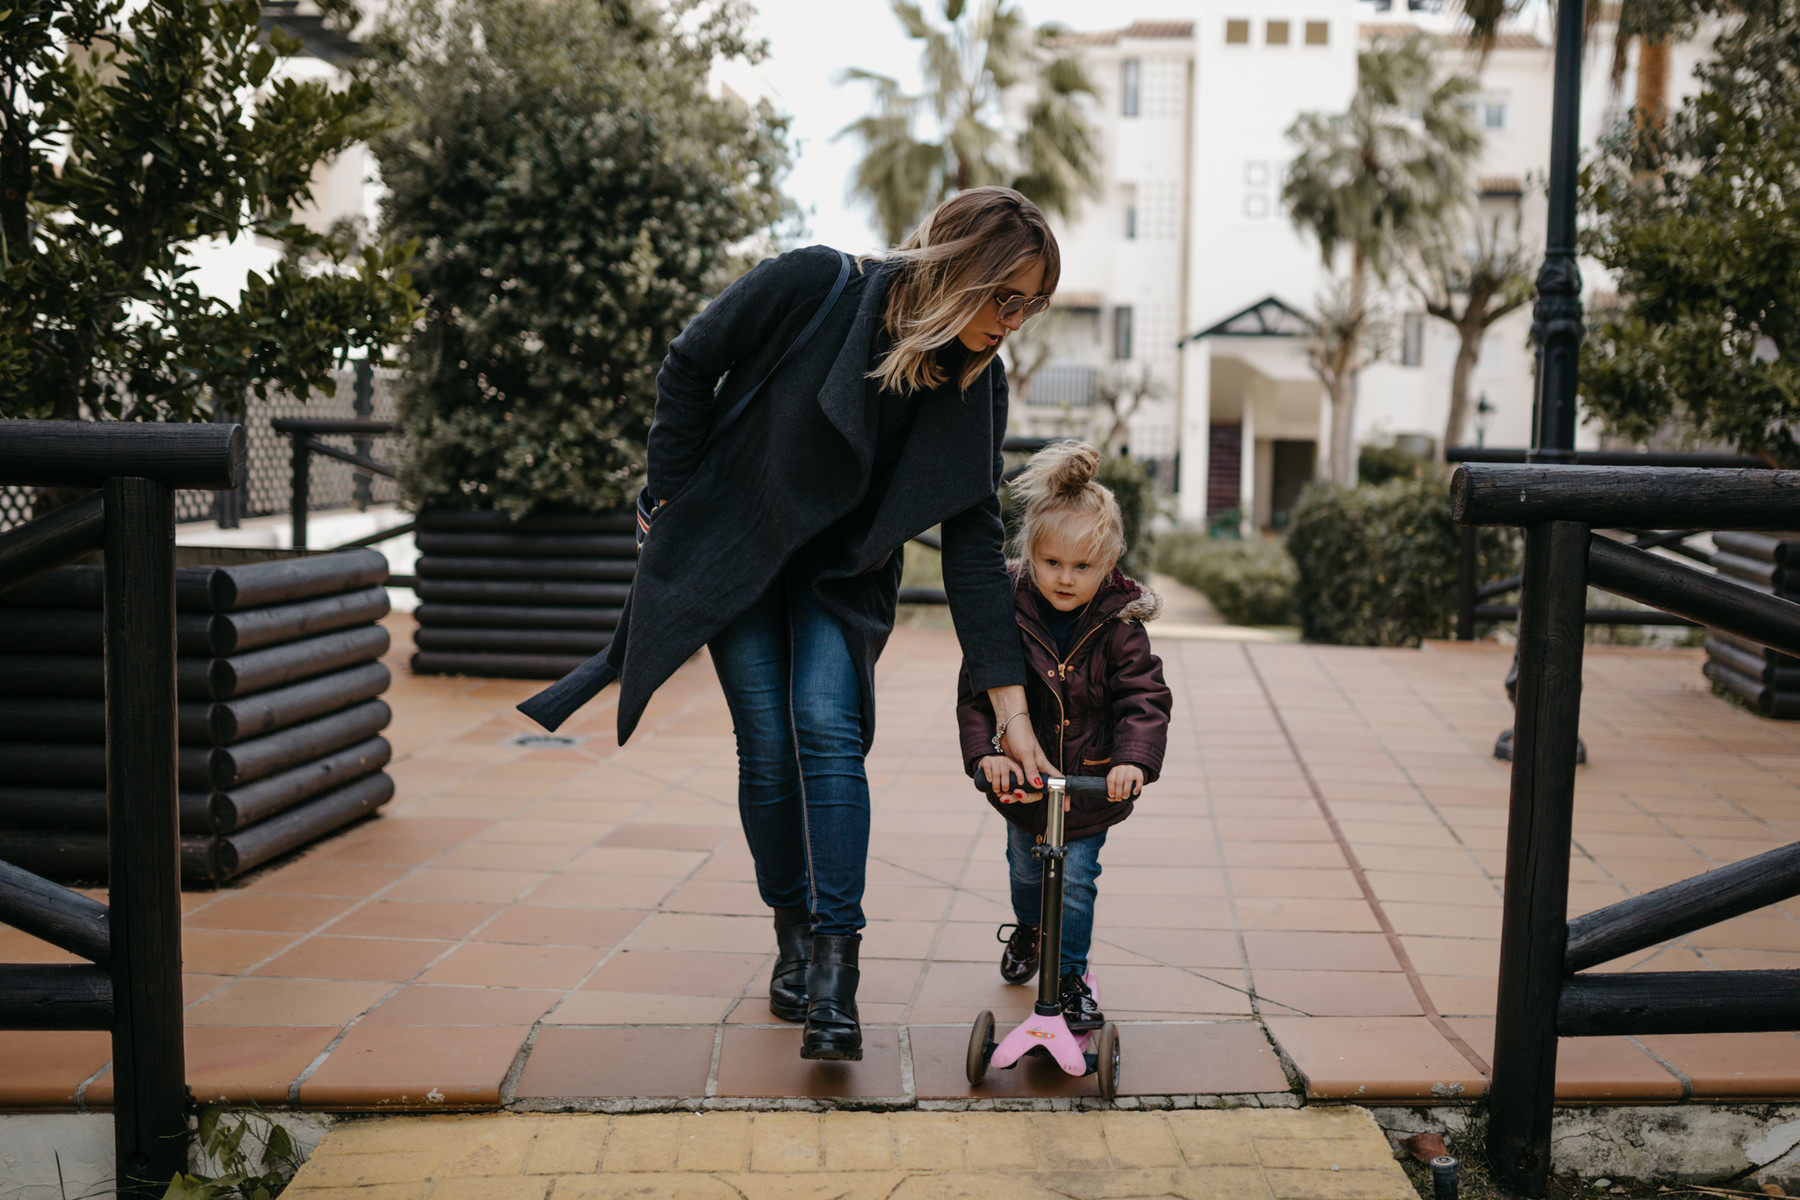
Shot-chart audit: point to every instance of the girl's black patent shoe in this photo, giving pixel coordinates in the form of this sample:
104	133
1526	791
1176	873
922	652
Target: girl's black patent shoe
1019	961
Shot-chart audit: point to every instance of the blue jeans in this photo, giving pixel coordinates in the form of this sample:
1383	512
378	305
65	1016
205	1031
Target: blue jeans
803	796
1081	870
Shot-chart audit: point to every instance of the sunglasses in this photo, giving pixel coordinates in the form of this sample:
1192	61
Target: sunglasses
1020	306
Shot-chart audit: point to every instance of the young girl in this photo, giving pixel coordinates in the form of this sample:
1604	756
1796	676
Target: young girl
1096	699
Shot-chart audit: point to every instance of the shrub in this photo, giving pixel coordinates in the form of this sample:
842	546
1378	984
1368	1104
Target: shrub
576	195
1377	565
1379	464
1250	582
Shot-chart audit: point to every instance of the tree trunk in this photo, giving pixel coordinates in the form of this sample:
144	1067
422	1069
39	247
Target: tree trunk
1468	352
1652	83
1343	426
1343	381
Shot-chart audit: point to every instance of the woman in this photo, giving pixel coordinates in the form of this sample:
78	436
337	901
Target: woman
778	544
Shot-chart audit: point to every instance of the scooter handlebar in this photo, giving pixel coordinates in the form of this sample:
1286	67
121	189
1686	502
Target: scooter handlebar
1090	787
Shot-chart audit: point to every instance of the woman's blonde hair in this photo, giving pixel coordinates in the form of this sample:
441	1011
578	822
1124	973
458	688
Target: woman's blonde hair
951	266
1058	491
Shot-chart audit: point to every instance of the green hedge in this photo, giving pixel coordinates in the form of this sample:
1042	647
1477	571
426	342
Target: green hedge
1377	564
1249	582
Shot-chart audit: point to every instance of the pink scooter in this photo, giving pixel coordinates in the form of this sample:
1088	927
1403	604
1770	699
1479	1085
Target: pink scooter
1046	1032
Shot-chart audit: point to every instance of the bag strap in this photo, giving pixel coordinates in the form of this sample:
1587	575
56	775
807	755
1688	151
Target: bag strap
812	327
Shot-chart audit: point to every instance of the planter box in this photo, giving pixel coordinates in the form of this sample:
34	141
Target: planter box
1768	680
527	599
279	723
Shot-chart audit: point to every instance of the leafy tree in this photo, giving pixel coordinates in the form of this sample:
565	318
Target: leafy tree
132	133
577	195
1118	395
1348	332
1700	224
1030	350
1471	287
1389	172
976	54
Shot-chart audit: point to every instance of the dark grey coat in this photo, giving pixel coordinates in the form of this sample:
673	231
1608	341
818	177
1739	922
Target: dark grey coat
796	462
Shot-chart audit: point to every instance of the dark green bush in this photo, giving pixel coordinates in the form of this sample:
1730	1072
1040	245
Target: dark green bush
577	195
1249	582
1377	565
1378	464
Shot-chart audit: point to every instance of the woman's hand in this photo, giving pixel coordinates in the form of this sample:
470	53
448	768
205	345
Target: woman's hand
1003	776
1124	782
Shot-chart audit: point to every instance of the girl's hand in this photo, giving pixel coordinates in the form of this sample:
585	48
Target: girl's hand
1124	782
1003	776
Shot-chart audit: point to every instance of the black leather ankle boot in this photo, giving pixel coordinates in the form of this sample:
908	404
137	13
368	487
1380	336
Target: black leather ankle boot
832	1031
793	952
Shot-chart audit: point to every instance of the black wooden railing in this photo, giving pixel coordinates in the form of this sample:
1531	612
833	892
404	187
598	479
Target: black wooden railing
1474	599
131	982
306	435
1546	989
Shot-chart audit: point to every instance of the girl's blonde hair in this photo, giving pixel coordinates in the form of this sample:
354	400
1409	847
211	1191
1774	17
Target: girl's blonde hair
1058	491
950	267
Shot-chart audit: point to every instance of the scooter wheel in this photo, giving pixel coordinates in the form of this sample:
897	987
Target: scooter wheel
981	1047
1106	1051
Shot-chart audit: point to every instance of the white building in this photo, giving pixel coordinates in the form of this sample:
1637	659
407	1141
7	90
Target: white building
1189	266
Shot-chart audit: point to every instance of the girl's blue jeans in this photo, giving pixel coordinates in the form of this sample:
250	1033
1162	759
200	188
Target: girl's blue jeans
1081	871
803	794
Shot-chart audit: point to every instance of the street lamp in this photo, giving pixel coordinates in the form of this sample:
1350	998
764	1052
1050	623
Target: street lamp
1522	1090
1484	416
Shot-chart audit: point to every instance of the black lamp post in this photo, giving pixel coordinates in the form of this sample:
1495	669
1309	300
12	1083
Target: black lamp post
1556	324
1484	416
1522	1090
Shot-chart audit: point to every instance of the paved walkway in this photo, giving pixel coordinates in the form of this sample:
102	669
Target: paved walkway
1307	903
1313	1154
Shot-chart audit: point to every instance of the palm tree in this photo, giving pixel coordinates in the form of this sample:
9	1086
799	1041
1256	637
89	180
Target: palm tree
1391	172
976	54
1471	287
1651	23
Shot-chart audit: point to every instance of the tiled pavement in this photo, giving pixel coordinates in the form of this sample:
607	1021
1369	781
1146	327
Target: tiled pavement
1309	1154
569	927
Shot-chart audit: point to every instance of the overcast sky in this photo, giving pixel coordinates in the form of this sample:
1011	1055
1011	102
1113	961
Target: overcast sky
812	41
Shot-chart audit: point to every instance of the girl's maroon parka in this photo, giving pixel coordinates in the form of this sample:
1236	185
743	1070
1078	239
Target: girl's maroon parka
1103	705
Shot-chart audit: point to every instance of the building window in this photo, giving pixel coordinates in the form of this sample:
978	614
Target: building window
1277	34
1259	190
1122	332
1318	33
1129	71
1237	32
1493	114
1412	339
1131	222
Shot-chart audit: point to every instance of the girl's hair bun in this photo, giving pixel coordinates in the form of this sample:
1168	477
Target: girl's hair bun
1066	468
1058	489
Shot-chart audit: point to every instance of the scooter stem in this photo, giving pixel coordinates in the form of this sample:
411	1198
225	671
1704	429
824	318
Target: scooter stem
1051	853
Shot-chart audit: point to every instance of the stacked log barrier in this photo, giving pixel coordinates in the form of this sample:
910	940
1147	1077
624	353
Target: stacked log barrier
529	599
278	681
1767	680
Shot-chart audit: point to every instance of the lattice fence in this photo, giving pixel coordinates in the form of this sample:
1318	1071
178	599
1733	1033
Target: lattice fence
334	484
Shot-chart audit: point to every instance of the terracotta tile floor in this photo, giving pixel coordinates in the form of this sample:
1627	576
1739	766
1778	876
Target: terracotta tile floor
1319	866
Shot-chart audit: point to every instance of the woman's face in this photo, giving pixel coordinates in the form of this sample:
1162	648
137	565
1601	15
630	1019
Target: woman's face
988	329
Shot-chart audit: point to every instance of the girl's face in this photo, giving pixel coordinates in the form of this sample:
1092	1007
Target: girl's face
1064	575
990	327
